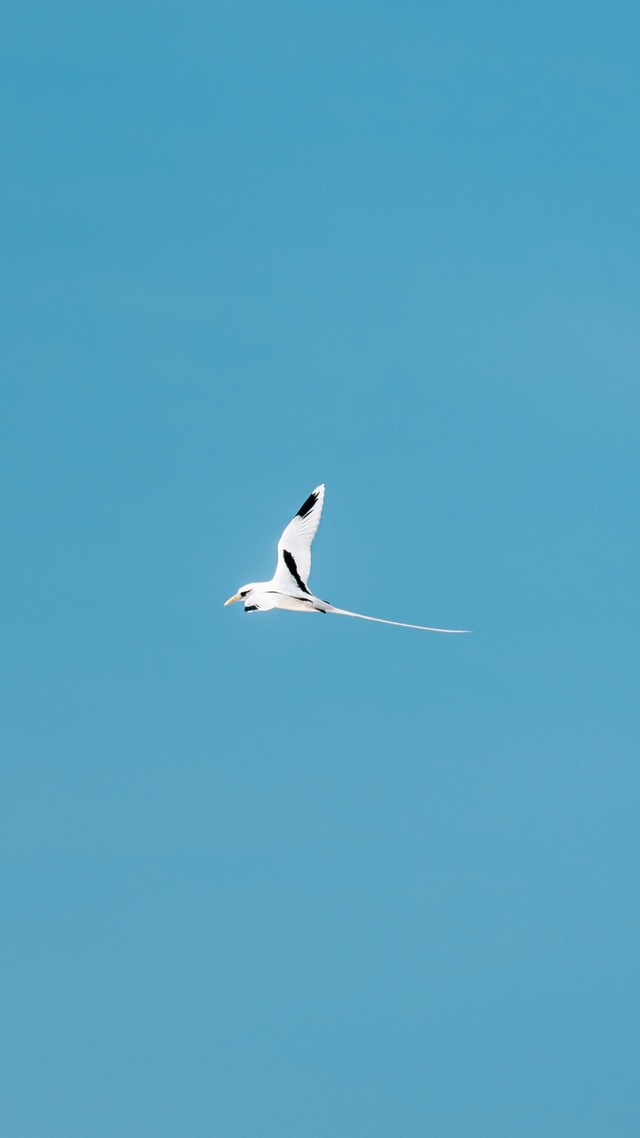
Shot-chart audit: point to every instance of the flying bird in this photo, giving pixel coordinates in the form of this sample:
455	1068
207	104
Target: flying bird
288	587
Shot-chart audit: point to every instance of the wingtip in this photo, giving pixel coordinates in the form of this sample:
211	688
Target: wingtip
311	501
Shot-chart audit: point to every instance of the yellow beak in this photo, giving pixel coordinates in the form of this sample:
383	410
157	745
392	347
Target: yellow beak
235	597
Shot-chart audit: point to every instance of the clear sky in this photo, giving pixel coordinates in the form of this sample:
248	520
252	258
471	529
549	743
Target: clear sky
304	877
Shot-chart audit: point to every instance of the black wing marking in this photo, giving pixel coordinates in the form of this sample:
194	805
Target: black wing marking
308	505
297	538
290	563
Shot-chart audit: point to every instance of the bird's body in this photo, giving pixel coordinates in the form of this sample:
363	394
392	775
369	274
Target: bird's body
288	587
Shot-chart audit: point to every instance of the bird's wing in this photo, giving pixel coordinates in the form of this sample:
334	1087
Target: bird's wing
398	623
294	547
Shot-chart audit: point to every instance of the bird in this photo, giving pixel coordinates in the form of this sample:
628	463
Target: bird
288	588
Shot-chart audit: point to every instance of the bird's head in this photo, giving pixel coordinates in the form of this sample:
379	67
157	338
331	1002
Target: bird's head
241	595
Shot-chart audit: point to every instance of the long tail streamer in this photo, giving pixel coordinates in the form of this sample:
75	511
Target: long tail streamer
398	623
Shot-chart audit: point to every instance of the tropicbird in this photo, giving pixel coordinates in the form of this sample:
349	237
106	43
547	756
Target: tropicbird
287	589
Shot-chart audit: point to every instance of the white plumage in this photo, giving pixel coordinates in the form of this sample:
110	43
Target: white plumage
288	588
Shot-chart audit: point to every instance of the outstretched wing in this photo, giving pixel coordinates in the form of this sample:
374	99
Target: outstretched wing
398	623
294	547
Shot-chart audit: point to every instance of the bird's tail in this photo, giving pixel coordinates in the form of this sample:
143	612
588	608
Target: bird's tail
398	623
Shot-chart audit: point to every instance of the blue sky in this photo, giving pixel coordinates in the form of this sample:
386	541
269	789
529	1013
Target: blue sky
285	876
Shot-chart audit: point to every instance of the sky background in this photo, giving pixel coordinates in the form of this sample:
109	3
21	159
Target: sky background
304	877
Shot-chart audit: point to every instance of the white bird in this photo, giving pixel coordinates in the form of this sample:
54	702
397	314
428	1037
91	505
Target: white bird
287	589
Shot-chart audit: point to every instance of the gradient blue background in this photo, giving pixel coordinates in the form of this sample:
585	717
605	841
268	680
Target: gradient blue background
305	877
